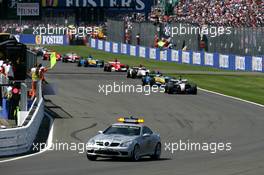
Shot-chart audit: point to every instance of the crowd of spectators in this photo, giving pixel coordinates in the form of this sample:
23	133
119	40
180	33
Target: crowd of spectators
138	17
6	27
128	27
234	13
157	15
28	26
14	26
133	17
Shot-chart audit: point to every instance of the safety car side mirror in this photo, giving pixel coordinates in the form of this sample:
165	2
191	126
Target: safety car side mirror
146	135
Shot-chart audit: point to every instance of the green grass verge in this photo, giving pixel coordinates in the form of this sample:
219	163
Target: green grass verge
131	60
247	87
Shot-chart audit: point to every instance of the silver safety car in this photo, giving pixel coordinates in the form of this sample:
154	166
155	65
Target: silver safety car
129	138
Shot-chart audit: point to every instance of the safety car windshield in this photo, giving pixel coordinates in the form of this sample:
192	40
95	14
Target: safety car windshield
123	130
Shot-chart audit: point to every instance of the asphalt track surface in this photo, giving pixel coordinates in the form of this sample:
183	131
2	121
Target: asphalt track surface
81	111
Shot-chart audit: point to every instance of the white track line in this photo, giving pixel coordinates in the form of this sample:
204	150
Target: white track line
49	144
235	98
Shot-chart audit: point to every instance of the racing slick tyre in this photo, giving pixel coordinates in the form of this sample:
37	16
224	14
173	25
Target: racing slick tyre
195	91
170	91
166	89
144	83
102	65
106	69
91	158
157	152
134	75
136	153
152	82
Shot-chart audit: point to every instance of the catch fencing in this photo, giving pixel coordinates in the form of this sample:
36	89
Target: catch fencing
238	41
201	58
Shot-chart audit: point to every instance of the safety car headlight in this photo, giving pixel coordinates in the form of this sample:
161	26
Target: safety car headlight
91	142
126	144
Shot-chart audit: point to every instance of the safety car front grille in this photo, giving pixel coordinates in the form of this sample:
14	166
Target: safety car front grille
114	144
107	152
100	143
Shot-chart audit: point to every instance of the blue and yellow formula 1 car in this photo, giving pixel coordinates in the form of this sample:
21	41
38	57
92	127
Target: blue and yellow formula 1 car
155	78
90	62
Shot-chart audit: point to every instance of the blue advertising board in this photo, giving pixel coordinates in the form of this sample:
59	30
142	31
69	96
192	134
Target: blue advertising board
216	60
43	39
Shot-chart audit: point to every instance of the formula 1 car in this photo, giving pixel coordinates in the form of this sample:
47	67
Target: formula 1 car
127	139
115	66
180	86
137	72
155	79
70	57
47	54
90	62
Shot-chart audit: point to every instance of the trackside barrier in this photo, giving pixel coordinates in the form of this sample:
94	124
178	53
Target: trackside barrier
31	59
20	140
216	60
43	39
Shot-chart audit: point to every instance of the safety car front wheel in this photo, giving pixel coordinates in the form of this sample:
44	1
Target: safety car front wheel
91	158
136	153
157	152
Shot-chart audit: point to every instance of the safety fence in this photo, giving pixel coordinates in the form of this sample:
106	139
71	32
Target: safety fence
238	41
201	58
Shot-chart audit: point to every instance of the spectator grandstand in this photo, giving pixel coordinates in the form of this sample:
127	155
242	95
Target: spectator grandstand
235	13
